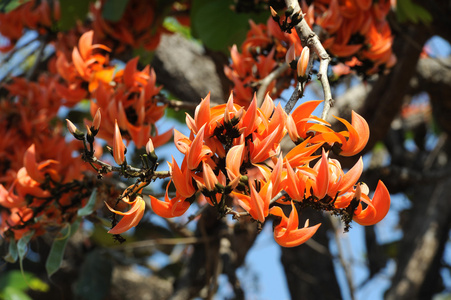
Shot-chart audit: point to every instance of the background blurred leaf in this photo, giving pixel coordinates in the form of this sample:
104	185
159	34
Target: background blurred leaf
220	33
71	11
7	6
406	10
114	9
178	115
89	207
95	276
13	284
12	252
22	246
56	254
171	24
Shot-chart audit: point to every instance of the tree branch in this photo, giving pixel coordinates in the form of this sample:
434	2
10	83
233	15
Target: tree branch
309	38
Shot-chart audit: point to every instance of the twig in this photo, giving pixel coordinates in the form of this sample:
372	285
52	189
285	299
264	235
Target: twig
309	38
264	83
109	168
297	93
14	51
192	217
318	248
165	241
343	262
277	197
40	52
177	104
435	152
183	231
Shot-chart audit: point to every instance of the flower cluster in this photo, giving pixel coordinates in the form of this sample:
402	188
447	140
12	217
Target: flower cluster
264	48
36	15
127	95
139	26
40	183
233	161
357	32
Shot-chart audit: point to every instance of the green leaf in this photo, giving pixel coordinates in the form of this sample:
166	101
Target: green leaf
15	280
406	10
178	115
95	276
22	245
217	26
12	255
145	56
56	254
114	9
171	24
7	6
71	11
11	293
89	207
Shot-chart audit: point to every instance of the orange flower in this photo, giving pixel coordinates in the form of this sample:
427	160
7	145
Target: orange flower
182	179
198	151
130	218
322	179
257	205
210	179
9	200
359	133
85	61
377	208
234	159
302	153
287	233
169	208
262	149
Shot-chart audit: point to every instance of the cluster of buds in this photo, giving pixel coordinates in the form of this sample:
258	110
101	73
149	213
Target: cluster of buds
233	161
131	195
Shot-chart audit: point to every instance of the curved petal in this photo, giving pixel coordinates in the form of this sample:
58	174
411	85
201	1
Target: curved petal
131	218
381	204
234	159
351	177
287	233
359	133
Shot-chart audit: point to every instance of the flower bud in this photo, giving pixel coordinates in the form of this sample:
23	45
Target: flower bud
149	147
290	55
74	130
303	62
210	179
89	135
118	146
273	12
151	151
96	121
